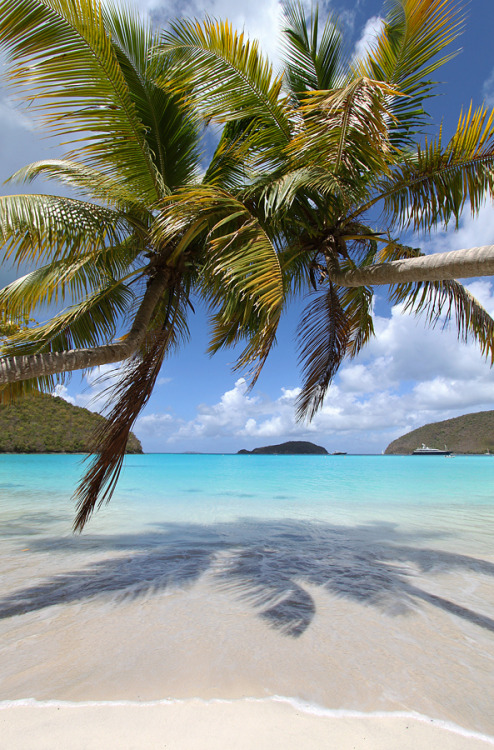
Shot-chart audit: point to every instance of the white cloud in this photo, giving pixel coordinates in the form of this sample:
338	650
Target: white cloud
99	383
62	392
408	375
488	90
260	21
474	231
368	37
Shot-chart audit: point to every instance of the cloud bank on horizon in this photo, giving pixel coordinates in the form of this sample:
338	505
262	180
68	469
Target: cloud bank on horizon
407	376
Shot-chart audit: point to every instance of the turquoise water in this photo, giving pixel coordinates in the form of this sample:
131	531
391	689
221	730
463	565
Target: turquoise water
440	494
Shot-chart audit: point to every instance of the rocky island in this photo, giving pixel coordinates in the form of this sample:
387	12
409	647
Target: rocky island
291	448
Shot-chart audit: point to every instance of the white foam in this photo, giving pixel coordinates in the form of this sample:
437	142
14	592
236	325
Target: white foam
296	703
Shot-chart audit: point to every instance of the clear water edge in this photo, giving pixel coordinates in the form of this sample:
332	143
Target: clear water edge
368	529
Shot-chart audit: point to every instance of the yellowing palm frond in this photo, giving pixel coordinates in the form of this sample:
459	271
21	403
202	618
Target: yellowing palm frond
433	185
92	182
346	130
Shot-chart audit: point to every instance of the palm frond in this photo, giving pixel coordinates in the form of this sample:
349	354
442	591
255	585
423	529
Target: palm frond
406	53
12	392
346	130
37	227
76	278
323	336
240	255
130	395
171	132
64	63
86	324
313	61
226	79
92	182
442	302
432	186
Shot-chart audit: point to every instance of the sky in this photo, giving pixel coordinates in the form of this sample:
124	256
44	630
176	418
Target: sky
409	375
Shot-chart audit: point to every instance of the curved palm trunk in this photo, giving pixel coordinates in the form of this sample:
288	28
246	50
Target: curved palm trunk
24	367
457	264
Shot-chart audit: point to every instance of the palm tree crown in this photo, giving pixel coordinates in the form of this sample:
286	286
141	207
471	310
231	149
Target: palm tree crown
305	159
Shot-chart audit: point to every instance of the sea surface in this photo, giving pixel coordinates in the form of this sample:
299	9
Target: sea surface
350	583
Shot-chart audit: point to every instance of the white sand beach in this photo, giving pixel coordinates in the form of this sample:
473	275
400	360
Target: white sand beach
220	725
180	636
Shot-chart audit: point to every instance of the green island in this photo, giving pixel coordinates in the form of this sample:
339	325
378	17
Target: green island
49	424
471	433
290	448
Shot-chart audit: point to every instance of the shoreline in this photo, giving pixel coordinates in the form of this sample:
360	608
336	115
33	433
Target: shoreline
272	723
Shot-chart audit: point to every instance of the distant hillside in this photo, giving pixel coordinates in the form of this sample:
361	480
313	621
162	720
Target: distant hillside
472	433
48	424
293	447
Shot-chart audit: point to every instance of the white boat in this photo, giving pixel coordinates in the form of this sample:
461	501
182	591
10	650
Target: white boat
426	451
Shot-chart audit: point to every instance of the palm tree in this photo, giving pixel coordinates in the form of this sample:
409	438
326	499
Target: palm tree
285	205
133	144
336	176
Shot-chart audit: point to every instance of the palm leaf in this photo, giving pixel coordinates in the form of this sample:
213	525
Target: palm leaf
433	186
34	227
346	130
82	325
443	301
226	79
323	335
64	62
171	133
313	61
94	183
406	53
130	397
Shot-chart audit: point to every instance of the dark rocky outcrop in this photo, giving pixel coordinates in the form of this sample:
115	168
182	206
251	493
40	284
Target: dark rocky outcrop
291	448
48	424
471	433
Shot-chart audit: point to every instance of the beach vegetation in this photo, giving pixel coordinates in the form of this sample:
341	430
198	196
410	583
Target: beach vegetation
318	177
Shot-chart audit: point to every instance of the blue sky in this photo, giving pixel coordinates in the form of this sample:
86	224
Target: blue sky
409	375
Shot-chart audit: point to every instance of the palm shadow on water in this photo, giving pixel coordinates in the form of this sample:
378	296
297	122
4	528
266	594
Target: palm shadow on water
267	563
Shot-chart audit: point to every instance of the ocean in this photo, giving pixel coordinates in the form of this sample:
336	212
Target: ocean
348	583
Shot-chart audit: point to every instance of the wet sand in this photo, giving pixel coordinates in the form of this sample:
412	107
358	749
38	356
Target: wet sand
374	637
205	640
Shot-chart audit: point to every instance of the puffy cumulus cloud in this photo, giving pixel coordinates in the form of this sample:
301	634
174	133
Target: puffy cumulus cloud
370	32
408	375
155	426
61	391
473	231
259	21
97	386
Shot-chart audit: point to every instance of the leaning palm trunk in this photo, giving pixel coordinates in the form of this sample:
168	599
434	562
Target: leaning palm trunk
24	367
458	264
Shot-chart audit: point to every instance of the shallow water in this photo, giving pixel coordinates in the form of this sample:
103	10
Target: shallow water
355	582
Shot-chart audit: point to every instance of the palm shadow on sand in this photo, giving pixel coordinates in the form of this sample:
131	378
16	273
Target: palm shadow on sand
267	563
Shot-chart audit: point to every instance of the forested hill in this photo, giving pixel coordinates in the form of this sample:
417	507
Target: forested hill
291	448
48	424
472	433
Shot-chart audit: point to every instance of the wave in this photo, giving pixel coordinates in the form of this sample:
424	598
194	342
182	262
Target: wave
296	703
